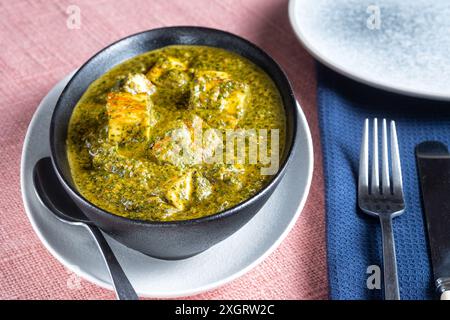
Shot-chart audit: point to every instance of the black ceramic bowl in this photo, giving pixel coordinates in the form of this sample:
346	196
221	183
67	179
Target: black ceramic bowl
178	239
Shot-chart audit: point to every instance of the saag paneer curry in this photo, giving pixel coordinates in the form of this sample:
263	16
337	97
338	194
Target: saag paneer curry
126	132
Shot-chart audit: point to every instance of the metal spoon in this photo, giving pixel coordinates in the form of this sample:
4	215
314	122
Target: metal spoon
53	196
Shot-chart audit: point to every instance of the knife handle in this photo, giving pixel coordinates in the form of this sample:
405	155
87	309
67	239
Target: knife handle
443	287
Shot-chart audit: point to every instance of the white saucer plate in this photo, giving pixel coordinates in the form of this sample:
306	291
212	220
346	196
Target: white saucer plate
395	45
75	249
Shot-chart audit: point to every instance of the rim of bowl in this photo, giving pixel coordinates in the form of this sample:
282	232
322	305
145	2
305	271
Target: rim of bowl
218	215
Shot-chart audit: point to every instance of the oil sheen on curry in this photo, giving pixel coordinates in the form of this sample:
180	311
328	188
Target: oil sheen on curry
131	144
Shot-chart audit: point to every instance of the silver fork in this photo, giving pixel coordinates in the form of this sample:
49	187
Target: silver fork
384	200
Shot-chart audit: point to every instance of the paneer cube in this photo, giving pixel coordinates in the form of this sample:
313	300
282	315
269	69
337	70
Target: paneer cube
172	78
161	210
130	117
202	186
212	147
183	144
179	191
167	67
215	90
138	83
174	146
164	64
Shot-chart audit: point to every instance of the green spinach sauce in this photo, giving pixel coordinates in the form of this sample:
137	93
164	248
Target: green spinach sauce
118	136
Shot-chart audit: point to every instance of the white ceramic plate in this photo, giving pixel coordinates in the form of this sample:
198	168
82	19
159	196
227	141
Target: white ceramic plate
396	45
74	247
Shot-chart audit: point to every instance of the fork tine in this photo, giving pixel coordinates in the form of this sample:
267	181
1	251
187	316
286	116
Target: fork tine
395	158
385	183
363	181
375	183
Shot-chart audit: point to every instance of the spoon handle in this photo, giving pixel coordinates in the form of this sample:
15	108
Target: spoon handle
122	286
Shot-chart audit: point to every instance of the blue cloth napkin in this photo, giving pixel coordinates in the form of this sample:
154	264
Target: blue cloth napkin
353	238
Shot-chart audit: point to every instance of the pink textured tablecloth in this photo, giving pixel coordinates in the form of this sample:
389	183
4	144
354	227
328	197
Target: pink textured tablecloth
38	49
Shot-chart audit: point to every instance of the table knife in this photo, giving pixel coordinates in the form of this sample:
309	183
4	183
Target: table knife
433	162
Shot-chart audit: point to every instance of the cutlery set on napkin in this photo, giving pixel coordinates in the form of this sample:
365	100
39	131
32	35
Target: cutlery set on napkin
380	194
404	167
